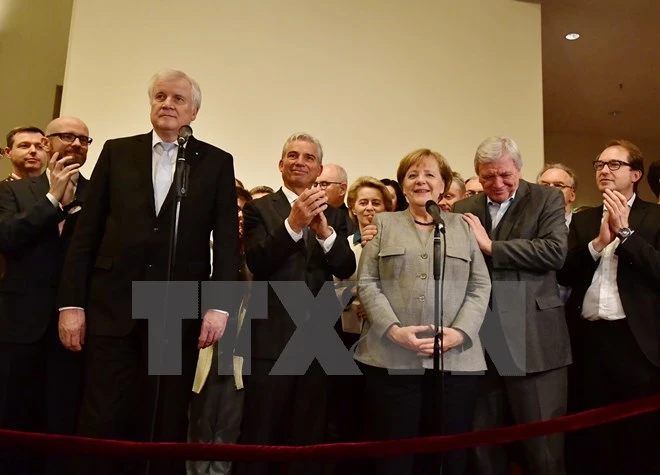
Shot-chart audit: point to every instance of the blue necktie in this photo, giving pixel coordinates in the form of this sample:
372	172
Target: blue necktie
163	172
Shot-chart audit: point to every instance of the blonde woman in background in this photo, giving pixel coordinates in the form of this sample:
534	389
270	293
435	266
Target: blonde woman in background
367	197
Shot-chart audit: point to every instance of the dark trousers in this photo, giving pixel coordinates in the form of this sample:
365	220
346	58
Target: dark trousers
215	415
506	400
40	387
283	410
614	369
121	401
345	413
401	406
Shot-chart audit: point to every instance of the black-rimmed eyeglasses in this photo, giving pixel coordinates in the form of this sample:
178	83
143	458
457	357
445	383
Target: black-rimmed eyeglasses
561	186
613	165
324	184
70	138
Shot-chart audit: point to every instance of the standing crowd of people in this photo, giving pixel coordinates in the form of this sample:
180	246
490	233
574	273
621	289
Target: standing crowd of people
546	311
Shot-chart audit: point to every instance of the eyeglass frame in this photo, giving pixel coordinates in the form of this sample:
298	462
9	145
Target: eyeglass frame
599	165
561	186
325	184
83	139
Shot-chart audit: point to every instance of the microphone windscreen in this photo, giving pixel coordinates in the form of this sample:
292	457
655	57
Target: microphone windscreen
184	134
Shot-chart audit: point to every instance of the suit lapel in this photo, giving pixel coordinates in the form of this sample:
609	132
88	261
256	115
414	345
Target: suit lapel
81	188
193	156
510	218
39	186
143	163
637	213
281	203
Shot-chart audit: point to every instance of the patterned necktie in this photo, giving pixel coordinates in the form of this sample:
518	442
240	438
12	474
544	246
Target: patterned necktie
163	172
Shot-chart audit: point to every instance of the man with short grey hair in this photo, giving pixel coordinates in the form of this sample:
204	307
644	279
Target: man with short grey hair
290	235
123	236
520	229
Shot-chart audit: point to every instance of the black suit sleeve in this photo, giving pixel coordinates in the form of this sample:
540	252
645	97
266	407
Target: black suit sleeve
87	235
265	251
644	255
340	258
225	230
18	229
579	262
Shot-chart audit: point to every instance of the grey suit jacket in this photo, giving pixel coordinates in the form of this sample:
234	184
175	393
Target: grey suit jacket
397	287
529	246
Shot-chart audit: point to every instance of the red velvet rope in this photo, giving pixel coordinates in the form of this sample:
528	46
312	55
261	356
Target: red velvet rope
234	452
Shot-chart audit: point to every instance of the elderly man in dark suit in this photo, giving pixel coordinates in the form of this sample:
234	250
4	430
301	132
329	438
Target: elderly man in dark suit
613	265
40	380
122	236
290	235
521	230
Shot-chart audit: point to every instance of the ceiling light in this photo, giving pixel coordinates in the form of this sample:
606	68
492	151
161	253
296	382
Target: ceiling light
572	36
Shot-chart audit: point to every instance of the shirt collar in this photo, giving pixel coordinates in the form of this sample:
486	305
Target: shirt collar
290	195
491	202
155	139
632	200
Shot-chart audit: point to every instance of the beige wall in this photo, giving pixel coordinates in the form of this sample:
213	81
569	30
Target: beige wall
33	44
578	151
372	79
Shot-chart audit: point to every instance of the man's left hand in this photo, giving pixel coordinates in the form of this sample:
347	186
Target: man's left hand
213	327
485	244
319	224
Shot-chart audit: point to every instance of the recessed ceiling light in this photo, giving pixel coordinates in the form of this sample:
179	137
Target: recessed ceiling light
572	36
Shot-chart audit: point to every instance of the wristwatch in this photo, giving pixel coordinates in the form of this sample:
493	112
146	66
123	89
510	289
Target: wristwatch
624	233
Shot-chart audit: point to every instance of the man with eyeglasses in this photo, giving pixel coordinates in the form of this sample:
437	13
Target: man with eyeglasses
39	381
27	149
334	180
560	176
613	266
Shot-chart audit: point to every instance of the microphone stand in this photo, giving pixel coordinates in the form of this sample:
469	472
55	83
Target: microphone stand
180	181
439	260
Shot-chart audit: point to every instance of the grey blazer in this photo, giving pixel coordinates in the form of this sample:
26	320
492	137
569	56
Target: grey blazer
396	286
529	246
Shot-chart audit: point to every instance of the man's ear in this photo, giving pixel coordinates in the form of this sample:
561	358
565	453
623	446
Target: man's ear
343	189
5	152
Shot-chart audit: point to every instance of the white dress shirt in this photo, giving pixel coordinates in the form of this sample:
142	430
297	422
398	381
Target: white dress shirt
602	300
326	244
497	210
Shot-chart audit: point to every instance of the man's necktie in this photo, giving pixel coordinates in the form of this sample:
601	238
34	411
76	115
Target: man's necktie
163	175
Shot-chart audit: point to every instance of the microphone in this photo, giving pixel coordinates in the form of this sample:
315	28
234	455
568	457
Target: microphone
184	134
433	209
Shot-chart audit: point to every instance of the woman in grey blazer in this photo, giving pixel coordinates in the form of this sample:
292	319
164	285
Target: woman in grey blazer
396	288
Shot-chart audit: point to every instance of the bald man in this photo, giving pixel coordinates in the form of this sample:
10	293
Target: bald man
334	180
39	378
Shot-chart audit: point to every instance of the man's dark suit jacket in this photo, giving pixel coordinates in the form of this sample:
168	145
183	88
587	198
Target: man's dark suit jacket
120	239
34	252
529	246
638	271
273	256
